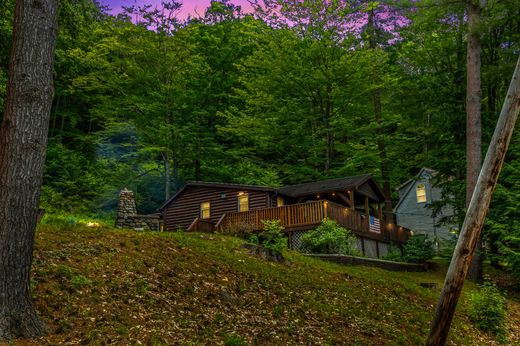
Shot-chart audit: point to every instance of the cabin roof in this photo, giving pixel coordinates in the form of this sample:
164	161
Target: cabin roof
358	182
215	185
330	185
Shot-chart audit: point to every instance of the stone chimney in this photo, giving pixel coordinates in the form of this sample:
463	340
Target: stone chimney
127	208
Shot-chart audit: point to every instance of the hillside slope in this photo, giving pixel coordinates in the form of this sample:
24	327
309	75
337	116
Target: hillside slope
105	286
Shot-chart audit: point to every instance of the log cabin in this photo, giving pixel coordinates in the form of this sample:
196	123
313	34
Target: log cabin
353	202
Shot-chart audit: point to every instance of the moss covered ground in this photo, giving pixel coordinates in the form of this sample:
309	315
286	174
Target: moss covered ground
98	286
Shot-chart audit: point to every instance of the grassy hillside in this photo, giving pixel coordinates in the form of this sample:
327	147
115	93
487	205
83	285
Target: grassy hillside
105	286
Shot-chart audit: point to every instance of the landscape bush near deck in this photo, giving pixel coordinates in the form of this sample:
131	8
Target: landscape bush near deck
330	238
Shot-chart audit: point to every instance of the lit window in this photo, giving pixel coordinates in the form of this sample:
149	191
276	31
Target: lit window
205	210
421	193
243	201
280	202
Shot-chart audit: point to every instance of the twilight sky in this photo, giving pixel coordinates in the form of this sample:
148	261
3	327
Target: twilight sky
189	7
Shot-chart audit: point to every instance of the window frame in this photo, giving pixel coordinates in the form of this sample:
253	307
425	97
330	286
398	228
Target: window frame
420	193
202	210
240	196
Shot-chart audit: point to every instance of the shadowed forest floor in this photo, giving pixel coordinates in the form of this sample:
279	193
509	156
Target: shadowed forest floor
104	286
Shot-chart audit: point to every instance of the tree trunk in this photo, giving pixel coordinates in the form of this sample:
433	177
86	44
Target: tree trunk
473	119
378	113
476	214
23	141
166	160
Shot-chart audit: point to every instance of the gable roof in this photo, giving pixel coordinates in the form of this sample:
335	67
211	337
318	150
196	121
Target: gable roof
407	186
359	182
330	185
215	185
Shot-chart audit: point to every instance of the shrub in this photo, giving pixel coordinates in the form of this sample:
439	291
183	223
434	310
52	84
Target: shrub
394	254
272	237
418	249
330	238
487	310
241	230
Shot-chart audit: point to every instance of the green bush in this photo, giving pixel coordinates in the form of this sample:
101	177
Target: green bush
418	249
330	238
487	310
272	236
394	254
242	230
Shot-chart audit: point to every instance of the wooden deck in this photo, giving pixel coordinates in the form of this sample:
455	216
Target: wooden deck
305	216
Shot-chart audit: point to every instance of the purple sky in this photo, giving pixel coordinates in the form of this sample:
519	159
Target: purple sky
189	7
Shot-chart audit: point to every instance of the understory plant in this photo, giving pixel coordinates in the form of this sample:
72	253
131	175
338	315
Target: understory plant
394	254
487	310
418	249
330	238
272	237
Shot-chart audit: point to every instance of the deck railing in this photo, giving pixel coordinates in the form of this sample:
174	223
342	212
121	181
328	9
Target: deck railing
296	216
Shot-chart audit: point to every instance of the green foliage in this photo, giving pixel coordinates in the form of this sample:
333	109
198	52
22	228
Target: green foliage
234	340
241	230
487	310
79	281
271	236
418	249
394	254
330	238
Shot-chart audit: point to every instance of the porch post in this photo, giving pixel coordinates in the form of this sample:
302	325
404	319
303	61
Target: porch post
367	209
352	203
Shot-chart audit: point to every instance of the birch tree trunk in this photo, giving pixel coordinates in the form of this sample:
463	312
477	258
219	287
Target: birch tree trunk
473	121
23	141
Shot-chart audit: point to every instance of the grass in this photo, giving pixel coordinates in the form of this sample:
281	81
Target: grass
104	286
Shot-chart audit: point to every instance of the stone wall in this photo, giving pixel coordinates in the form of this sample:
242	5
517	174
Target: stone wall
127	216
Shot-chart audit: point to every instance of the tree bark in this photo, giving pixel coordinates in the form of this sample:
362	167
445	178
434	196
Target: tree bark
473	120
475	216
378	113
167	183
23	141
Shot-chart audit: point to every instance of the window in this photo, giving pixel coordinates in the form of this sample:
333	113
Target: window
280	202
205	208
243	201
420	190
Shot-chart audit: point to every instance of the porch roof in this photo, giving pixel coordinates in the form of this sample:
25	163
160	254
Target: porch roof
364	184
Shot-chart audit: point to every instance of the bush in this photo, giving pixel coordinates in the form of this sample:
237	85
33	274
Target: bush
330	238
487	310
272	237
394	254
241	230
418	249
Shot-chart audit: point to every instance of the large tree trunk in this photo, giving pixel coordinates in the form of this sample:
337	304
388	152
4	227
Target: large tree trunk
473	121
23	141
378	113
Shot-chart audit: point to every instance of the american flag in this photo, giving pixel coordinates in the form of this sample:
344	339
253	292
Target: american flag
375	226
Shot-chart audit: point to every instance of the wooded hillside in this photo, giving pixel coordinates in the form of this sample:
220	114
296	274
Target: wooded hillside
295	94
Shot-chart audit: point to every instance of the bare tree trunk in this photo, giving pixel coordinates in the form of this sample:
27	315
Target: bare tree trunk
476	214
376	99
167	184
474	121
23	141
